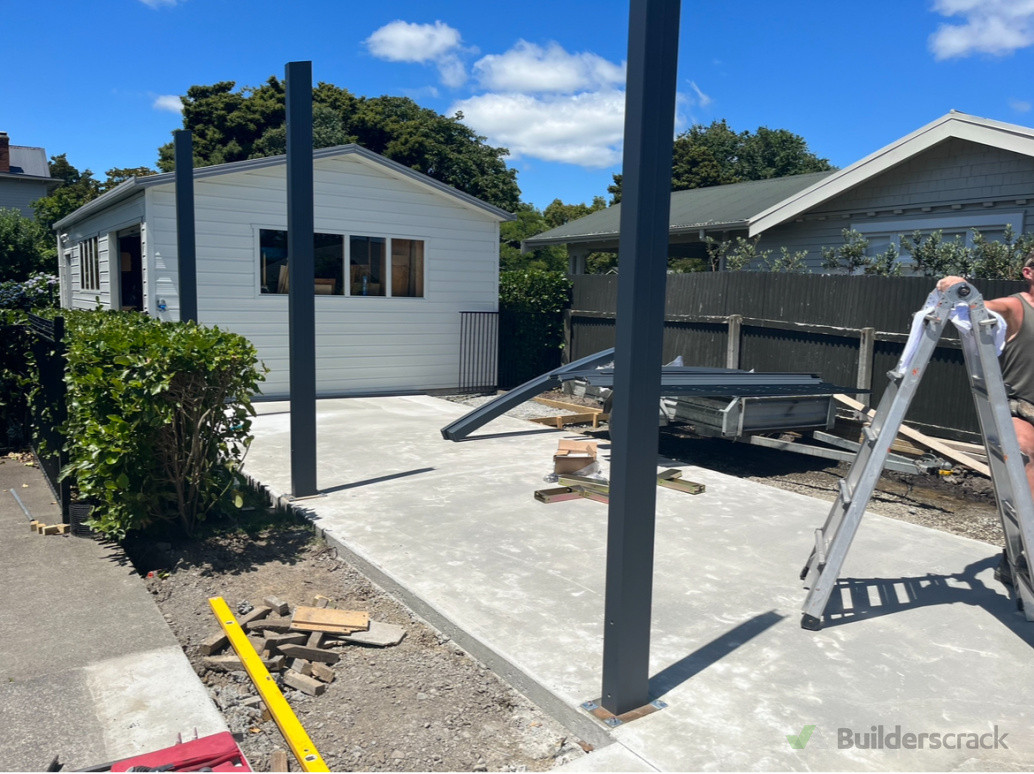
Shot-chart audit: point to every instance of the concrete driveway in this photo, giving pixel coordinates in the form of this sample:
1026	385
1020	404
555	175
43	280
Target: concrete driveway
927	640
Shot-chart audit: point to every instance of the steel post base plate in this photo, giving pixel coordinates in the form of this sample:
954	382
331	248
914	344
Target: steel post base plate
597	711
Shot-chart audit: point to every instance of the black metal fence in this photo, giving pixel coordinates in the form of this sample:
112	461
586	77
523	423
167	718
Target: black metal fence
48	406
479	347
849	330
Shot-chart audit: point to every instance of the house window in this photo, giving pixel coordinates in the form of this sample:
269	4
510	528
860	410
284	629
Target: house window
407	268
89	265
329	262
366	266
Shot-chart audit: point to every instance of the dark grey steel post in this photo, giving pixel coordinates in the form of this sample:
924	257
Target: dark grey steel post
643	251
186	246
301	273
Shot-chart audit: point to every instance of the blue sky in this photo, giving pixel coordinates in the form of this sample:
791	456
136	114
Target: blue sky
99	80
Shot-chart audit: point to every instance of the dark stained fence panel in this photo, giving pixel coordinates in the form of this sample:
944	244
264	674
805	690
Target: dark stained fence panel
796	322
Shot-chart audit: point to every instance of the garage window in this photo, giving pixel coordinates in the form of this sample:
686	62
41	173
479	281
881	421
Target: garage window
330	254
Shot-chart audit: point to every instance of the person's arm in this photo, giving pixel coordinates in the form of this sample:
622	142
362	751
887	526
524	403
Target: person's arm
1008	307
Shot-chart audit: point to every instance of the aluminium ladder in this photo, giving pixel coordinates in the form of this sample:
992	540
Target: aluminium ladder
1012	493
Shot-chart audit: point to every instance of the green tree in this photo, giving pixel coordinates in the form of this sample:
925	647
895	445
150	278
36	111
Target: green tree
231	125
704	156
119	175
530	221
76	189
26	248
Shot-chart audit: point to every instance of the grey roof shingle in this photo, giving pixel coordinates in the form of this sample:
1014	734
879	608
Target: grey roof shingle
722	206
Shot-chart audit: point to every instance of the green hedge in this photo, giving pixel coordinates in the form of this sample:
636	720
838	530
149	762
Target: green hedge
159	417
531	323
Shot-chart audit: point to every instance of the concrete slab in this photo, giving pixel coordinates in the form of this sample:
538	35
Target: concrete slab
89	670
928	641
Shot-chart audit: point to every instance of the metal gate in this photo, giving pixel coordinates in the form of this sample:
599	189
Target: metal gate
49	409
479	348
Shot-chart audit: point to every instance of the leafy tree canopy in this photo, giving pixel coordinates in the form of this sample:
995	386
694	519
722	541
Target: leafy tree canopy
77	189
703	156
530	221
26	248
231	125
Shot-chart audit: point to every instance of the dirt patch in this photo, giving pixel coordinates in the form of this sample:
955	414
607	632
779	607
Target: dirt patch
423	705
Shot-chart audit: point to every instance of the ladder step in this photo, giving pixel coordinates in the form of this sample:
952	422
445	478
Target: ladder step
845	492
1009	510
870	434
895	375
820	549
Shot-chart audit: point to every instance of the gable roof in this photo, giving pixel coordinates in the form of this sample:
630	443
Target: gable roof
134	184
954	125
717	207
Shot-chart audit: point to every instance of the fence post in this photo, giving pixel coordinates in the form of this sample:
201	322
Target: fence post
565	356
732	341
866	349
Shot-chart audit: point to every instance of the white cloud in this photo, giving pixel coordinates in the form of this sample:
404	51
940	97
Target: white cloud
996	27
529	68
169	102
159	3
702	99
1020	105
583	129
437	44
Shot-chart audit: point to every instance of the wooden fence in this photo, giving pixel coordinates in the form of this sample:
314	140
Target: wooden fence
849	330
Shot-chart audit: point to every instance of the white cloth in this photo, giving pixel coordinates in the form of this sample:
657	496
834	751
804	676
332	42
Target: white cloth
959	317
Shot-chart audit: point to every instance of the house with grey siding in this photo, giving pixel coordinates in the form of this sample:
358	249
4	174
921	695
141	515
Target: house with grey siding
24	176
954	175
399	256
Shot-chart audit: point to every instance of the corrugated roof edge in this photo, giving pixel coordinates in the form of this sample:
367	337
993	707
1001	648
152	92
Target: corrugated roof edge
134	184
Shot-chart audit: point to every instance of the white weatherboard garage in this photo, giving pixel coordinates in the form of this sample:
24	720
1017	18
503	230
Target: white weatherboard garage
398	256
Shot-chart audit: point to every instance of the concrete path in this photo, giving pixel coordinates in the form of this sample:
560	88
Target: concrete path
929	642
89	670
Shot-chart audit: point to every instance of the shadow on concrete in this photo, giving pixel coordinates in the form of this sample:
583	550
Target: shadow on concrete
377	480
672	676
511	434
875	597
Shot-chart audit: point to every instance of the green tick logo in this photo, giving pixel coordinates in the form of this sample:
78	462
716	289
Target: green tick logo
801	740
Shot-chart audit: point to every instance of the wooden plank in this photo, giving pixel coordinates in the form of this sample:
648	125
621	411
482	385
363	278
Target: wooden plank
578	409
304	683
567	419
278	761
315	619
924	440
310	654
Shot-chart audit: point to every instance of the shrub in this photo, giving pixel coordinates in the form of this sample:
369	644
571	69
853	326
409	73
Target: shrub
37	292
531	326
158	417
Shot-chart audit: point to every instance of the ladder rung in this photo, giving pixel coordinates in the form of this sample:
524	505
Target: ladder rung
845	492
978	384
870	434
895	375
1008	509
989	321
820	549
996	450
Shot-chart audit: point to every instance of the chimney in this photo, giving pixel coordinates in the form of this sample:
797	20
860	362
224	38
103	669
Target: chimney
5	152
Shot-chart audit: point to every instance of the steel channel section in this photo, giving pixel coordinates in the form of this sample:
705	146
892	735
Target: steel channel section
301	300
468	423
643	246
186	244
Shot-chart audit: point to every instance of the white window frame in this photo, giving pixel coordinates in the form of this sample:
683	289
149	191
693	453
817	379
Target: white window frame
89	264
346	237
